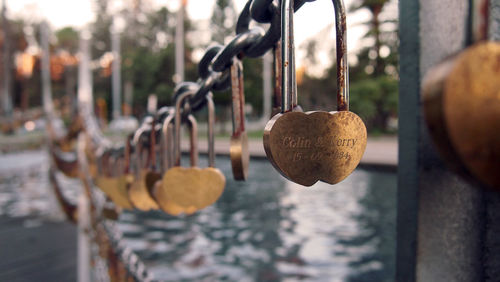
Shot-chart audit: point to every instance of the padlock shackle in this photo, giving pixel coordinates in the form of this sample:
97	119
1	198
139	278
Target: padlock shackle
167	160
237	98
210	130
136	143
289	85
177	131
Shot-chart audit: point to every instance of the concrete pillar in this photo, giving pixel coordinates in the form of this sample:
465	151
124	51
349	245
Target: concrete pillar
447	228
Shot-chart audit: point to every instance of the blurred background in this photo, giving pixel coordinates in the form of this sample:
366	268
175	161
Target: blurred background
147	33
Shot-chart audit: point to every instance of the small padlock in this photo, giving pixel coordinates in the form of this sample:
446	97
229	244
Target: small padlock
167	150
111	179
238	150
462	104
119	162
137	192
153	174
312	146
193	186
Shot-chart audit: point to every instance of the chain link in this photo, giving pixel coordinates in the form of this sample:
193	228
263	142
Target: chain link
214	66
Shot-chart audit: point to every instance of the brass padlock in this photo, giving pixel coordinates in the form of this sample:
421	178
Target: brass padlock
152	174
137	192
238	150
312	146
194	187
167	153
109	180
462	106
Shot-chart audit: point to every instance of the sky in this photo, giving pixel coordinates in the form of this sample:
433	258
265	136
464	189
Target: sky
309	20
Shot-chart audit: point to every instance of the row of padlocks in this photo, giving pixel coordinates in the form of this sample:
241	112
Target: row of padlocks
304	147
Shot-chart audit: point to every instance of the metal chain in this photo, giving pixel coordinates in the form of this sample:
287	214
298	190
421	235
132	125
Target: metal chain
214	75
214	66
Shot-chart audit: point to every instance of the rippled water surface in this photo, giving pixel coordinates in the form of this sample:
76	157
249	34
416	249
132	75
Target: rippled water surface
265	229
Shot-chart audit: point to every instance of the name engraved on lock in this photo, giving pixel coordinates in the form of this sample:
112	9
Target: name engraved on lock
312	146
319	148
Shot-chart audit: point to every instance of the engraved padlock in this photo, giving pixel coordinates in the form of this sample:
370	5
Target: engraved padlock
194	186
238	150
462	104
317	145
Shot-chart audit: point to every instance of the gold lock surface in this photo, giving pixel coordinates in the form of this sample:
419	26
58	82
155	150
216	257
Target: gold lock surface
461	99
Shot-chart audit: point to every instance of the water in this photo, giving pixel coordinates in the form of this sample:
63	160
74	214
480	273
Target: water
265	229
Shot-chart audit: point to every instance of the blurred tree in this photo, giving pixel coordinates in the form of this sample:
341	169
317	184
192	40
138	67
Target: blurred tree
67	39
374	86
223	21
375	7
373	79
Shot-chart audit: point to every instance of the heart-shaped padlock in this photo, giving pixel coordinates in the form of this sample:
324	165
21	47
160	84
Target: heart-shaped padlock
194	187
158	192
113	182
137	192
312	146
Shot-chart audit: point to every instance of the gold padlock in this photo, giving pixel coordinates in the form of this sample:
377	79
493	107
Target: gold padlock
194	187
167	153
462	105
118	181
137	192
312	146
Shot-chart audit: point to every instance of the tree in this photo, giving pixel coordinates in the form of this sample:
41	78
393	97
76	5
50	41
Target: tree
222	23
375	7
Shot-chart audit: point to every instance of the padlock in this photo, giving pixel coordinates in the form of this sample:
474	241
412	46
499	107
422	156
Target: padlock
194	187
462	104
238	150
312	146
167	153
137	192
113	182
152	174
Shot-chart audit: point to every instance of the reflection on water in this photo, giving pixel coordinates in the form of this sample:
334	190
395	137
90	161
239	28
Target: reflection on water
264	229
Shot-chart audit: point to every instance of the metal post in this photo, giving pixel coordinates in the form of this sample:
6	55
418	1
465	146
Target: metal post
447	228
85	102
45	66
179	44
6	65
116	72
83	260
85	98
